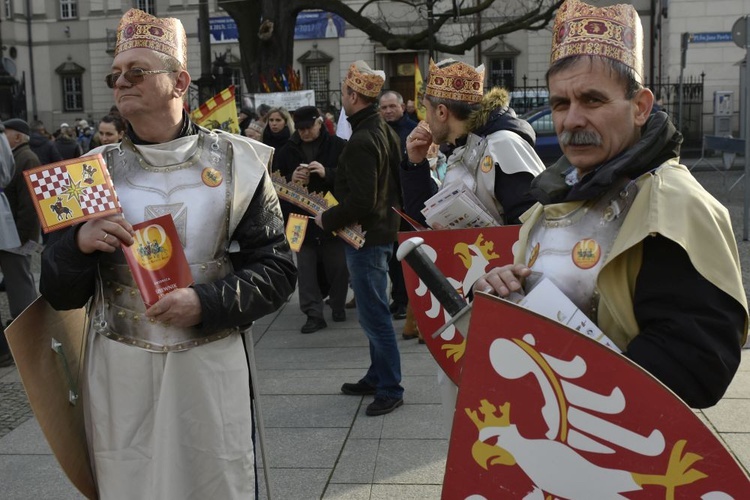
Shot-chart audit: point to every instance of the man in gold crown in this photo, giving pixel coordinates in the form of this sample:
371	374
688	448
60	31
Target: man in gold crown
621	227
367	187
167	401
495	157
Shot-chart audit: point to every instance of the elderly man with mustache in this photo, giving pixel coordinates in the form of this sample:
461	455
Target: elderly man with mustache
621	227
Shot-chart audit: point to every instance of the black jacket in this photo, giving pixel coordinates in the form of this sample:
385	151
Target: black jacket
403	127
287	159
44	148
19	198
68	147
263	279
367	182
690	330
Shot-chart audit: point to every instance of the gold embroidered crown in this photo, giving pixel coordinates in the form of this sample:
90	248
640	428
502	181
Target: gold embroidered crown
364	80
614	32
459	82
137	29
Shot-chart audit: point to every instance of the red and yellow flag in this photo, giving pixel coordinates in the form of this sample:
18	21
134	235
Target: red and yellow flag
72	191
219	112
418	96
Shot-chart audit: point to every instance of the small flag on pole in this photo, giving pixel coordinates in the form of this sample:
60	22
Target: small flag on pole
296	227
219	112
72	191
418	96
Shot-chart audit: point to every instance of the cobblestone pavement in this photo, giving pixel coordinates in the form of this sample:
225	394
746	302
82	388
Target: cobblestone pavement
14	407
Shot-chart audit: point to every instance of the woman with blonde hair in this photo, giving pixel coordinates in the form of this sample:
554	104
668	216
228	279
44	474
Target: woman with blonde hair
279	128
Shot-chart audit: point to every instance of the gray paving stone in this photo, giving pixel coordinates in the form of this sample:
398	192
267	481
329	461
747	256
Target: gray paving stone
34	476
335	358
411	461
357	462
305	448
348	492
414	421
328	337
309	411
739	443
405	491
296	484
367	427
306	381
421	389
730	415
26	439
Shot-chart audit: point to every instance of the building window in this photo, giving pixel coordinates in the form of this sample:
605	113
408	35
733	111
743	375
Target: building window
316	78
8	9
68	9
72	93
146	6
501	73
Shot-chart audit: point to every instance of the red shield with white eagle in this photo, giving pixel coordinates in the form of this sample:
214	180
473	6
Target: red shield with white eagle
545	412
463	256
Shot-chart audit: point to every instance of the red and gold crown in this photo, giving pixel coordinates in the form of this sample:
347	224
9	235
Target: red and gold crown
364	80
614	32
458	82
137	29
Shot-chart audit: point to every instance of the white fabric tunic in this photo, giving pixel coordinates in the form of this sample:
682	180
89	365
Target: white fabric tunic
173	425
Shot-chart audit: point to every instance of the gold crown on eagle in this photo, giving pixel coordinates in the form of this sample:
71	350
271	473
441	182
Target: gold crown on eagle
614	32
458	82
138	29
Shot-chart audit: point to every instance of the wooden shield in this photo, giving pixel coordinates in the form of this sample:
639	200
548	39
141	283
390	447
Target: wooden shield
546	412
462	255
48	347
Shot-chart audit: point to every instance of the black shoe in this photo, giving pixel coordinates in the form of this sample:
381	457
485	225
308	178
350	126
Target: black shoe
351	304
313	324
400	312
359	389
422	341
6	360
381	406
410	336
339	315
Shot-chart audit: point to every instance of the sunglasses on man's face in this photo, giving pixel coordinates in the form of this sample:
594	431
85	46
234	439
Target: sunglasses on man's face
133	76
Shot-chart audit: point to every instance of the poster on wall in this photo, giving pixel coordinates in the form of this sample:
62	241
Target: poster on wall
289	100
318	24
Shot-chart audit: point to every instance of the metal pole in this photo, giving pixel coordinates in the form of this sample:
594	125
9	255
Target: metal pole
746	107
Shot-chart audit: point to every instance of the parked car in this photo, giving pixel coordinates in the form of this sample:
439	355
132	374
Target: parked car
547	146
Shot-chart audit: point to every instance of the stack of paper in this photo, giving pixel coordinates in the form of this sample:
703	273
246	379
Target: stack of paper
456	207
549	301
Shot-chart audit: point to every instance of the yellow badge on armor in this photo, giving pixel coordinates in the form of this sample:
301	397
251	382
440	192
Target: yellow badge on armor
487	164
211	177
533	256
586	253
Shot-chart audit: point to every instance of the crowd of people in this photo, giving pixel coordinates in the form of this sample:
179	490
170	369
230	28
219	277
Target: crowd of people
669	294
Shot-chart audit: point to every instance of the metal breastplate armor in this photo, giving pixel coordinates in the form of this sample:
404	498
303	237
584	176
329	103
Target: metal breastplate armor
467	165
200	209
572	248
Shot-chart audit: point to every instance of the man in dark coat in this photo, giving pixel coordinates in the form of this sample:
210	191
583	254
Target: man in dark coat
392	111
310	158
367	186
42	146
19	282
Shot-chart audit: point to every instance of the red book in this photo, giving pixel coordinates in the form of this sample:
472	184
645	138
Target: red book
157	260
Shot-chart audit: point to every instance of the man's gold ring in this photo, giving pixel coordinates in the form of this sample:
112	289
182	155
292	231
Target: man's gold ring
105	237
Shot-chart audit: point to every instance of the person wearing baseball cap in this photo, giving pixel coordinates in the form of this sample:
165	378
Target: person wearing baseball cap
16	267
310	157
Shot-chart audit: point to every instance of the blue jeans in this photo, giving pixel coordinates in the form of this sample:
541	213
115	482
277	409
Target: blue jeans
368	272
